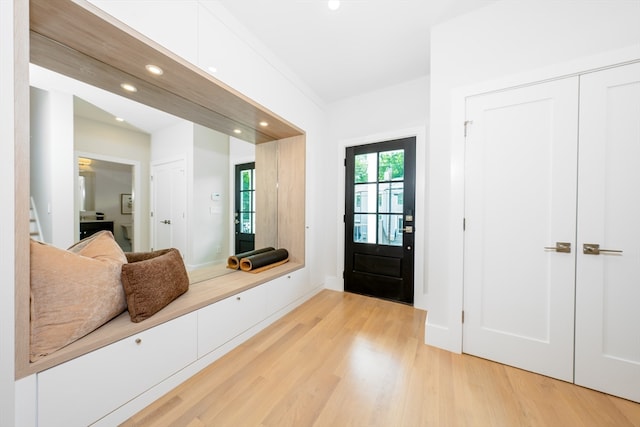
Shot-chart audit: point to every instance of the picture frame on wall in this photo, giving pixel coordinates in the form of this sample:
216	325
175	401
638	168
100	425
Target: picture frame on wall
126	204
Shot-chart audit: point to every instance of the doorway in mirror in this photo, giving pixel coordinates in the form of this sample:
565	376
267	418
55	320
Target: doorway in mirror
245	207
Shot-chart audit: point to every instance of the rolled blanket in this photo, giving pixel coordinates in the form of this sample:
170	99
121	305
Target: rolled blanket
264	260
233	261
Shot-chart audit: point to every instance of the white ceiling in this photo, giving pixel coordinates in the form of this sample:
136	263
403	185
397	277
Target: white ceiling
362	46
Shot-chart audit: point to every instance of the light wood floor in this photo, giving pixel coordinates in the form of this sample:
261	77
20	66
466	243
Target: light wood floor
347	360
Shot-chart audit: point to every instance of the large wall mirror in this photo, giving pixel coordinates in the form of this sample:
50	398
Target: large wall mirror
177	126
129	161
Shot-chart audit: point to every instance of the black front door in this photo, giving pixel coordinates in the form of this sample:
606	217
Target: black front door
245	214
379	219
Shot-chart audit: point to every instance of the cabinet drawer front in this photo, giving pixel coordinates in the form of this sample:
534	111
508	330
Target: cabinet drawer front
225	319
285	290
83	390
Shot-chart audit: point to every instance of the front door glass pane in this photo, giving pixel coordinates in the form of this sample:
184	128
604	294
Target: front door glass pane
390	197
365	198
246	179
390	230
364	228
391	166
366	166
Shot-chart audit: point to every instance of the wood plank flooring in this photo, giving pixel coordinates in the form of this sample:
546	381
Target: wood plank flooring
348	360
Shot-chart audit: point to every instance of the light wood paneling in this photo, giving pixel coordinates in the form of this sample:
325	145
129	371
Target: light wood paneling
267	195
281	199
291	196
78	39
344	359
21	207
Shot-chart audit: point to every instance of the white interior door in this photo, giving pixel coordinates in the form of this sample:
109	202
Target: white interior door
520	197
608	284
170	201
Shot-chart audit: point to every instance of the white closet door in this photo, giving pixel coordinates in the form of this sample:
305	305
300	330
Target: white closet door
608	284
169	187
520	197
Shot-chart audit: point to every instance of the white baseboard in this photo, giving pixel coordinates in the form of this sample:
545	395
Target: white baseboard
334	283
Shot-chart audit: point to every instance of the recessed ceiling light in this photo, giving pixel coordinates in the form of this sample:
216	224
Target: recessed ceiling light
129	87
119	119
333	4
237	131
263	124
154	69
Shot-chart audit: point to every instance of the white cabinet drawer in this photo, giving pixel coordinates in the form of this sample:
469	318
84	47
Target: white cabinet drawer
225	319
81	391
285	290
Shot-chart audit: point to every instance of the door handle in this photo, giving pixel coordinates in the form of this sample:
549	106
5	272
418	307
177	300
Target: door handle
408	229
594	249
564	247
166	221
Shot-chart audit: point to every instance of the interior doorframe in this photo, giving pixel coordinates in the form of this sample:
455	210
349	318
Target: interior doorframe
136	188
419	288
448	335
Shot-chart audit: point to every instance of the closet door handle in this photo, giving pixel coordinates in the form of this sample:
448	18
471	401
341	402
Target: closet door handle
564	247
594	249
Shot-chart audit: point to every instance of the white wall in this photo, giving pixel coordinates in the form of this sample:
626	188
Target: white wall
63	172
210	214
389	113
52	174
40	168
7	215
506	43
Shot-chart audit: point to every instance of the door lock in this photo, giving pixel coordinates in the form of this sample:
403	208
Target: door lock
564	247
166	221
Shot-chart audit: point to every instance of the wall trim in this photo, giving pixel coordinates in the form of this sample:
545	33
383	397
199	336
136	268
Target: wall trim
137	186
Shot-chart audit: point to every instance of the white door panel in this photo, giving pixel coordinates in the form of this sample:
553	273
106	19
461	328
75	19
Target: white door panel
169	206
608	285
520	196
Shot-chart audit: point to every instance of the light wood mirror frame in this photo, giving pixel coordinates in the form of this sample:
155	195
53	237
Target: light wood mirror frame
75	38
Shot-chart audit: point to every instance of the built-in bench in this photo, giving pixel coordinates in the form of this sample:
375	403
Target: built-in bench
199	295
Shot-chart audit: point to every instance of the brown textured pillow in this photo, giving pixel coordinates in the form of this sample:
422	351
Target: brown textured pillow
151	280
73	292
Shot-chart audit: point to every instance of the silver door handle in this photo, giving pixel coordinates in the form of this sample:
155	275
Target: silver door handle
166	221
594	249
564	247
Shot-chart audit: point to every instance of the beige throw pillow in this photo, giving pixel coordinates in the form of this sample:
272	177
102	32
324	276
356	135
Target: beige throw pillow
73	292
